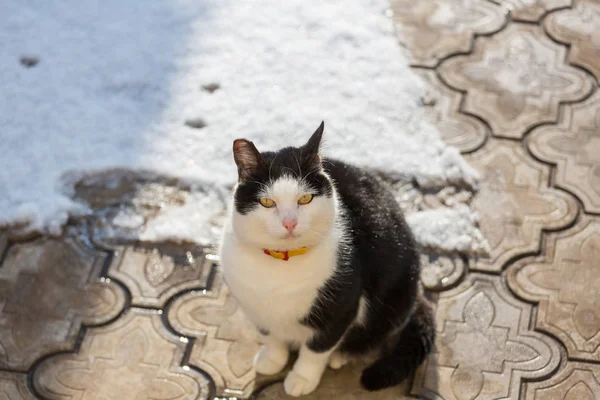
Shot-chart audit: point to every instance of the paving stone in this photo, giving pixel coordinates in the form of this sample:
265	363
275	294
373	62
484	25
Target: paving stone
133	356
490	345
226	339
154	273
48	289
484	349
464	132
13	386
575	381
227	342
441	271
578	27
565	281
574	146
515	203
531	10
433	30
516	79
408	196
341	384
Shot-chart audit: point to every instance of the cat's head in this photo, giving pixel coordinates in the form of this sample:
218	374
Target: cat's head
284	199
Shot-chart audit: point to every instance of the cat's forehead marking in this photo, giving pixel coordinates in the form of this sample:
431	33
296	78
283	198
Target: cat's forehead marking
286	187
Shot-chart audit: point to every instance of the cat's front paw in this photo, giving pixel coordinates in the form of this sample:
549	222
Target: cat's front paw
337	360
296	385
270	360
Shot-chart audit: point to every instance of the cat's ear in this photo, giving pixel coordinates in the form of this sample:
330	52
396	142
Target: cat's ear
247	158
312	146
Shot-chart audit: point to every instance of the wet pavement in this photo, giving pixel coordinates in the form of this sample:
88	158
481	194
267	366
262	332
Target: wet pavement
514	86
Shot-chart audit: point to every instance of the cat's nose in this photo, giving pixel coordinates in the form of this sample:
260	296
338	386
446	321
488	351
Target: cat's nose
289	224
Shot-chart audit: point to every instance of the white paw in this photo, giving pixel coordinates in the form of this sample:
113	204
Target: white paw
296	385
268	361
337	360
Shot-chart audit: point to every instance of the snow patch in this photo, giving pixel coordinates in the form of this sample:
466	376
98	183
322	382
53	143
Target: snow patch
448	229
116	81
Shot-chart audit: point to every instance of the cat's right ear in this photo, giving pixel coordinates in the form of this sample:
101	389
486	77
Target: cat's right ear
247	158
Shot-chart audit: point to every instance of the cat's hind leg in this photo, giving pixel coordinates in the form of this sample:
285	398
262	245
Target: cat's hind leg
413	345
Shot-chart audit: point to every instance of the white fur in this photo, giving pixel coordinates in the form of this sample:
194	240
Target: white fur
363	308
337	360
307	372
277	294
272	357
262	228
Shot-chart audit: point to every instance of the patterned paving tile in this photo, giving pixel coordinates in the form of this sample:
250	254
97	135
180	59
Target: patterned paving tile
439	271
457	129
48	289
565	281
226	339
340	384
432	30
13	386
154	274
484	349
576	381
579	28
515	203
226	344
574	146
135	356
531	10
516	79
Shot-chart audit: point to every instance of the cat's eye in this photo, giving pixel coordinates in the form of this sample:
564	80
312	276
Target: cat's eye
266	202
307	198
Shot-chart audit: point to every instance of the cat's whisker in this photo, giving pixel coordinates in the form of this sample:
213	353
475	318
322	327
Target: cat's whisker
271	165
292	170
298	163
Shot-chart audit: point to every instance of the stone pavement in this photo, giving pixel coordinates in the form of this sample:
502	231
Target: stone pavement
514	85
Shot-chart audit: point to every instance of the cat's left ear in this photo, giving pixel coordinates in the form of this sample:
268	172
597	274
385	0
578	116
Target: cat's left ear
312	146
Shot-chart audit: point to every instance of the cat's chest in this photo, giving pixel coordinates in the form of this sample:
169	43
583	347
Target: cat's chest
275	293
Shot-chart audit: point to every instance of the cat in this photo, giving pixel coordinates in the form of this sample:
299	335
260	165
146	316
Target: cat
319	257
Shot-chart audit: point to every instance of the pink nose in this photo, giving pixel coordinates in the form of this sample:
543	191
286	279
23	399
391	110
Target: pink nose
289	224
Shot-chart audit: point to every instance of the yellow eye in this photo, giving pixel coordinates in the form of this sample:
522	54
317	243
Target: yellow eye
307	198
268	203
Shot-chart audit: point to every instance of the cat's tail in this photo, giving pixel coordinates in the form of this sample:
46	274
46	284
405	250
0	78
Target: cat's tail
414	344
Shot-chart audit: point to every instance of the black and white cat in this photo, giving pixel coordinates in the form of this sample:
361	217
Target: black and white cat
319	257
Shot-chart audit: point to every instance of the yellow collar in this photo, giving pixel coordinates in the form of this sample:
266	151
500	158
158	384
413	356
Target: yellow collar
285	255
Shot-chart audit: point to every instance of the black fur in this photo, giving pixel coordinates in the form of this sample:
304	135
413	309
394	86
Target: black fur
302	162
380	262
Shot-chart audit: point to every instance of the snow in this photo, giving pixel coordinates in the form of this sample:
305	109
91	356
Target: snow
448	229
116	82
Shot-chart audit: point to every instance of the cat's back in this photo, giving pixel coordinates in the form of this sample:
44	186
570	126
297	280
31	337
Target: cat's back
377	225
364	195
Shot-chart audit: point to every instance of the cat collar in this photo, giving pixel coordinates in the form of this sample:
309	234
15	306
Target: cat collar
285	255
